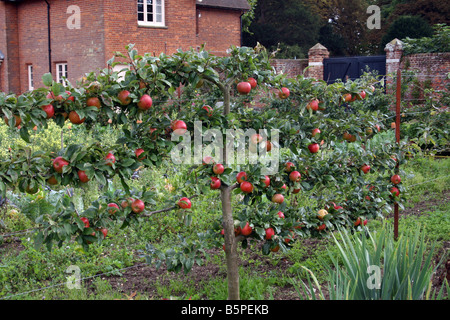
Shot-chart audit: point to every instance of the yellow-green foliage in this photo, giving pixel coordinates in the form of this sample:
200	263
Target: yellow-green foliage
49	140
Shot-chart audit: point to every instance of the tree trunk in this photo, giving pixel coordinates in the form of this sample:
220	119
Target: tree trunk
230	245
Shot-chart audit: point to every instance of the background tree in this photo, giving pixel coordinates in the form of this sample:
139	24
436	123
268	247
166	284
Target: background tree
287	23
407	26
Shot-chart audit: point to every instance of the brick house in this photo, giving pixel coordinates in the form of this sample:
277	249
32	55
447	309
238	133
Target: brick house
73	37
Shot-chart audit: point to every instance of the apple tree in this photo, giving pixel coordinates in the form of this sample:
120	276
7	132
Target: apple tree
272	141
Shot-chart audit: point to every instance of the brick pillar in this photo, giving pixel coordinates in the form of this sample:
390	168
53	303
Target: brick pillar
394	52
315	61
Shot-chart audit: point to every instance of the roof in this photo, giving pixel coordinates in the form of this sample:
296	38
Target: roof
225	4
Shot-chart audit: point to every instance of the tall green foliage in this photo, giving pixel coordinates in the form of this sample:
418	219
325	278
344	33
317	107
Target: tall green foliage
375	266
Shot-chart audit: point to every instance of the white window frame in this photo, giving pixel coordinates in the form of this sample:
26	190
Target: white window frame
154	3
61	73
30	77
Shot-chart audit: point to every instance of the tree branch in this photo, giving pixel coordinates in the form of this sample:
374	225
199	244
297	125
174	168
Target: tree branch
148	214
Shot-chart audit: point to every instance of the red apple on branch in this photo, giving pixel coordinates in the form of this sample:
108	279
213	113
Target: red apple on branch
179	127
184	203
241	177
145	102
244	87
269	233
253	82
138	152
113	208
137	206
313	147
395	179
246	187
93	102
365	168
124	97
295	176
215	183
278	198
313	105
284	93
82	176
49	110
246	230
59	163
218	168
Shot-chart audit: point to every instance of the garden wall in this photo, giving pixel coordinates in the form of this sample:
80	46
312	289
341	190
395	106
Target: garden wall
421	71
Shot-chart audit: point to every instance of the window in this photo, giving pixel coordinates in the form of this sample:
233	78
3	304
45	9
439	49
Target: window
150	13
30	77
61	73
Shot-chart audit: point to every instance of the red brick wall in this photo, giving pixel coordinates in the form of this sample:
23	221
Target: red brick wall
9	78
218	29
106	26
291	67
122	28
433	67
82	48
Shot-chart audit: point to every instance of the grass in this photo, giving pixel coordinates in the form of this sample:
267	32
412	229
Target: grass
29	269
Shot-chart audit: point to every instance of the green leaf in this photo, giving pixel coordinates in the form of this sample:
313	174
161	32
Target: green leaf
47	79
24	134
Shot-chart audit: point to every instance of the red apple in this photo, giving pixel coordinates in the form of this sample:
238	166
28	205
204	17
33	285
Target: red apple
59	163
179	127
313	105
110	159
218	168
244	87
241	177
278	198
52	96
124	97
316	131
246	187
395	191
145	102
93	102
283	93
295	176
184	203
289	166
137	206
104	231
113	208
82	176
256	138
208	109
49	110
246	230
365	168
70	97
207	160
280	214
269	233
395	179
362	94
266	181
138	152
313	147
347	97
253	82
215	183
75	118
86	222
